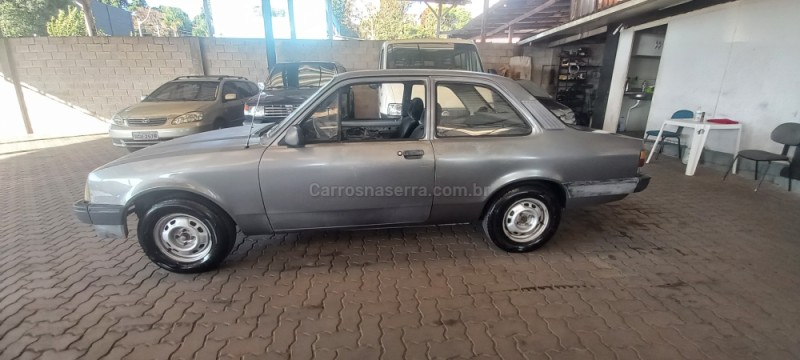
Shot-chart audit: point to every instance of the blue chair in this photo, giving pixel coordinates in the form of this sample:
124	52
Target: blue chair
680	114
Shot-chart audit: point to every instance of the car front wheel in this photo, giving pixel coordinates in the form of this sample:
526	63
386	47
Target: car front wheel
523	219
185	236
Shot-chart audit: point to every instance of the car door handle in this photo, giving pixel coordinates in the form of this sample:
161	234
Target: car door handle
411	154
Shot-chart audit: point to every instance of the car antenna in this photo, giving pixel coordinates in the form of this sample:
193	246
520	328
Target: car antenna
253	120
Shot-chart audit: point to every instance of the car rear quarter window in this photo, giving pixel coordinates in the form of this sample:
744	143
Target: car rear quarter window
465	110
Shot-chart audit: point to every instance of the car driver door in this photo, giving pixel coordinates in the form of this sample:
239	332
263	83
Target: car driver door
348	176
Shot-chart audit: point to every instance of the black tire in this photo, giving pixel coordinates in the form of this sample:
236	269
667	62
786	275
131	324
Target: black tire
217	230
528	198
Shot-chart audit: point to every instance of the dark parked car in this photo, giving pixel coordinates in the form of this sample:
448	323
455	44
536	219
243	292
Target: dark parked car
289	84
503	160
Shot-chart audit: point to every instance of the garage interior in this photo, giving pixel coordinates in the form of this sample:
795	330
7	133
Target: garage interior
691	268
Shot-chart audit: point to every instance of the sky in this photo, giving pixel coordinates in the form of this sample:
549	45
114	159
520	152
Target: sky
242	18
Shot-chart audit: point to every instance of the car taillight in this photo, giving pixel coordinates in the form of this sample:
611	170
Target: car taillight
642	157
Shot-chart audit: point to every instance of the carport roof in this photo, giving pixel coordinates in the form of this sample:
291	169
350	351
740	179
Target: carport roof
525	17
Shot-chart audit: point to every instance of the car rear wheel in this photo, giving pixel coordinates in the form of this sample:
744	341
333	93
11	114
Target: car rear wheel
523	219
185	236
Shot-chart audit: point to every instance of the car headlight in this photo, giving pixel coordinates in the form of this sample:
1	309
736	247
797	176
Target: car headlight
187	118
117	120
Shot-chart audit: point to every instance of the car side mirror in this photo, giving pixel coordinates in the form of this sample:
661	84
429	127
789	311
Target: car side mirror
230	97
294	137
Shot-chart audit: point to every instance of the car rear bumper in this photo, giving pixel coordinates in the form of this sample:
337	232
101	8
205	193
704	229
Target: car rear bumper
622	186
644	180
107	220
123	136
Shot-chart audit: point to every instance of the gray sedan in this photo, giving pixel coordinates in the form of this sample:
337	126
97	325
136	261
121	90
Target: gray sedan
464	147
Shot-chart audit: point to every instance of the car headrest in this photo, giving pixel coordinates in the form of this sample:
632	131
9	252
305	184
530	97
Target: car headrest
416	108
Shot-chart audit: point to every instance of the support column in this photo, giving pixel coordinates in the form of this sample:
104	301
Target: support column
292	30
483	20
9	68
606	73
269	37
439	21
510	34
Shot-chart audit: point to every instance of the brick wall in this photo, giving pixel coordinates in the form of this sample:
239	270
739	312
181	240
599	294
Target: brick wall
106	74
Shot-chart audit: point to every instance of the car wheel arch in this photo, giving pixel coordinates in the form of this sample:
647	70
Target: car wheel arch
142	201
557	187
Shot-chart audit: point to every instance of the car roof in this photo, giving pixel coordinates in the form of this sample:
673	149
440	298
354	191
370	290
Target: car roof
429	41
307	62
208	78
418	72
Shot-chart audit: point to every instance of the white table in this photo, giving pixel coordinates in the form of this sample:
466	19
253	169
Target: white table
699	136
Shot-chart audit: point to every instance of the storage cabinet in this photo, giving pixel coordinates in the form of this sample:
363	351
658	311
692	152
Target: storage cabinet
648	44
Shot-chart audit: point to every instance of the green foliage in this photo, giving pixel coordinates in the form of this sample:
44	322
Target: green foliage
389	21
28	17
122	4
344	16
68	22
135	4
199	26
175	20
453	19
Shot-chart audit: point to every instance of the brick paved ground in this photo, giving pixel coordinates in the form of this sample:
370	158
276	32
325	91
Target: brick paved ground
691	268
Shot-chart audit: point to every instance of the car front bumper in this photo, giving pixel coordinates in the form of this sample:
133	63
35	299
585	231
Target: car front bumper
107	220
262	120
123	136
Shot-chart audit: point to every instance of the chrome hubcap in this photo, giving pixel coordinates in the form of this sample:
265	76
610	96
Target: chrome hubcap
182	238
525	220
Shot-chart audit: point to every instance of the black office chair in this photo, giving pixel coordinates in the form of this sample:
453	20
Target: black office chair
787	134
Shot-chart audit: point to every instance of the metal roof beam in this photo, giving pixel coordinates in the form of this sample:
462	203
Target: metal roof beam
522	17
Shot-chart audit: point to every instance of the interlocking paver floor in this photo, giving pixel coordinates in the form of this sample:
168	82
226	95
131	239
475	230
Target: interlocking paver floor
691	268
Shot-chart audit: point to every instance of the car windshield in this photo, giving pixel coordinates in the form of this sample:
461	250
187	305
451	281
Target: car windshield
433	56
185	91
303	75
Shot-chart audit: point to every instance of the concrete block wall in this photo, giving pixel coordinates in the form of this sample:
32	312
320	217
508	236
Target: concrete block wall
105	74
102	74
495	55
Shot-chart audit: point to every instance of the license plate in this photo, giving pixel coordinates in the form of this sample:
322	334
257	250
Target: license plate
145	135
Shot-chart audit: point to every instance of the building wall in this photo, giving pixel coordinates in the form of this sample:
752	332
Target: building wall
736	61
105	74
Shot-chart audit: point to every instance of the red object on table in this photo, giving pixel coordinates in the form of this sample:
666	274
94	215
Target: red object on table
722	121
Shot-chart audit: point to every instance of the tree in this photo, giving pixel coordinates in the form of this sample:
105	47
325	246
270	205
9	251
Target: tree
175	20
88	17
135	4
28	17
453	18
389	21
122	4
345	18
69	22
200	26
208	18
